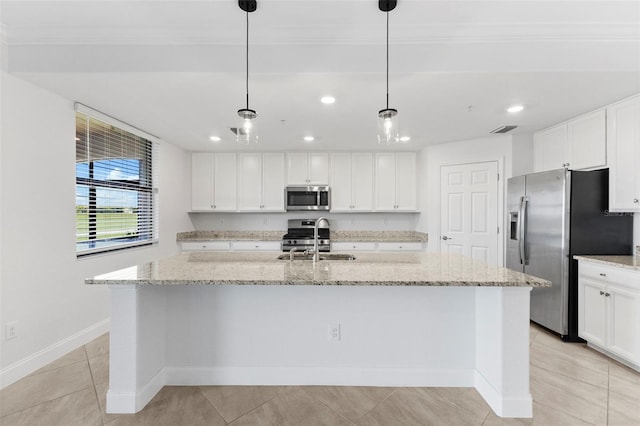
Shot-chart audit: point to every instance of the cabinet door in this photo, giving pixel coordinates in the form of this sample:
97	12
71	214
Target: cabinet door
406	181
587	141
297	168
249	182
361	182
273	182
202	181
319	168
224	182
623	155
624	323
591	311
341	182
550	150
385	182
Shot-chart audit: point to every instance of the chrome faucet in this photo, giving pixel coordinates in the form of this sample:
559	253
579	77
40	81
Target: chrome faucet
315	237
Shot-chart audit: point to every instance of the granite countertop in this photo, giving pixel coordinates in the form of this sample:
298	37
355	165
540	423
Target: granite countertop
263	268
627	262
336	236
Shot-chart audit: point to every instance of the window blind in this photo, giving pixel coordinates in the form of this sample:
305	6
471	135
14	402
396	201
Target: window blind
116	200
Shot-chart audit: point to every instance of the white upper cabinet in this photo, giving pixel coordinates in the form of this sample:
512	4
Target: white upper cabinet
577	144
550	148
273	182
623	153
211	188
587	140
351	182
395	181
261	182
202	182
308	168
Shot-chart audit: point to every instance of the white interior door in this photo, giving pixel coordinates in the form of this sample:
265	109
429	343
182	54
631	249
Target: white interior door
469	210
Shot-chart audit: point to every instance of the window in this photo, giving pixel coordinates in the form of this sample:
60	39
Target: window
115	195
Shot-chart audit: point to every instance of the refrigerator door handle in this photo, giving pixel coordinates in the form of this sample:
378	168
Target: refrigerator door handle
522	231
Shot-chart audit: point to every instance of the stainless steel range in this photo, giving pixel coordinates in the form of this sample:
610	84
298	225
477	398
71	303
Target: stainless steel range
300	235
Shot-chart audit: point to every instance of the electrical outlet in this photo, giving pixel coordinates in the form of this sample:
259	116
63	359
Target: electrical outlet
11	330
334	332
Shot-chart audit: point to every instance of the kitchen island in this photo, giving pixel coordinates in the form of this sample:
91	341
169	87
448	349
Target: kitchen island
384	319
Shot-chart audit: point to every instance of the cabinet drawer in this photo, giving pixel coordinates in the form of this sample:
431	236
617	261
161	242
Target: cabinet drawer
347	246
206	245
257	245
400	246
609	274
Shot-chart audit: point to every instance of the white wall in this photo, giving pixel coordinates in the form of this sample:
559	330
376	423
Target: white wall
42	281
495	148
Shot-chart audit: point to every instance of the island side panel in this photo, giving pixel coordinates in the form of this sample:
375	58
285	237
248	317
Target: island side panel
502	349
137	347
279	335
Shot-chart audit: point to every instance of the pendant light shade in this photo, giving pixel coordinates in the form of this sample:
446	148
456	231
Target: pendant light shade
246	132
387	117
388	126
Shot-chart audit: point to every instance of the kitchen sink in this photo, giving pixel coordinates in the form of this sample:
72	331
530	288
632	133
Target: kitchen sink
322	256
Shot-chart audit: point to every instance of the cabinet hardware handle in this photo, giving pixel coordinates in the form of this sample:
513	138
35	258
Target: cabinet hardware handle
635	200
607	295
444	237
601	293
602	274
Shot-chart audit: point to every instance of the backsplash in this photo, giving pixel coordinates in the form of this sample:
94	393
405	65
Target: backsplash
278	221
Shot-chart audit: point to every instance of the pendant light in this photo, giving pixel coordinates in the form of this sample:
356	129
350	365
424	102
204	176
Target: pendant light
388	117
246	131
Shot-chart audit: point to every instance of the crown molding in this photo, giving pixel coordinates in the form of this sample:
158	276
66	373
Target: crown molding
328	35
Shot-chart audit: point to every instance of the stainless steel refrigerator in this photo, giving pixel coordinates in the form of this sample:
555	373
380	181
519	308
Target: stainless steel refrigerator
553	216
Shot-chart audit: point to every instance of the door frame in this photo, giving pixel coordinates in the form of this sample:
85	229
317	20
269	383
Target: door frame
500	219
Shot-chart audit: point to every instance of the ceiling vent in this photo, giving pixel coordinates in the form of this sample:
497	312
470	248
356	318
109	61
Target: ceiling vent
503	129
238	130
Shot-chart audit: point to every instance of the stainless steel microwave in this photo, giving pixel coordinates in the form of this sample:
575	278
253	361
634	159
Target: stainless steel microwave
307	198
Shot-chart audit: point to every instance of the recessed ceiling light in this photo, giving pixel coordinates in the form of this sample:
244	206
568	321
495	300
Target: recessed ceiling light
405	139
515	108
327	100
309	138
215	138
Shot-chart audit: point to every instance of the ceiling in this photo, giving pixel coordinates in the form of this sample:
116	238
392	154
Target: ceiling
176	68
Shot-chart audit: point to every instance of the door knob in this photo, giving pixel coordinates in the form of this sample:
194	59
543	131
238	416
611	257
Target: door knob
444	237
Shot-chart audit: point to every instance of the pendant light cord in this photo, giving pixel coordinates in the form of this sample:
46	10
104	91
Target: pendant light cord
247	78
387	59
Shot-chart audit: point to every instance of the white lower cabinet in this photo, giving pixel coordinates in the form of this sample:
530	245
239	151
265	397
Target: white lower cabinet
376	246
609	309
205	245
400	246
256	245
353	246
230	245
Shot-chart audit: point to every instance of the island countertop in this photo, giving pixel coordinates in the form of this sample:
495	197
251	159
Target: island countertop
369	269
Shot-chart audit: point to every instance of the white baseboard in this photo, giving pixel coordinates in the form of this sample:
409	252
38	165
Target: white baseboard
614	356
515	406
132	402
300	376
28	365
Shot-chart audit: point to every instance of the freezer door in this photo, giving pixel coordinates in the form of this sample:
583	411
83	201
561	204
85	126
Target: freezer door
515	194
547	246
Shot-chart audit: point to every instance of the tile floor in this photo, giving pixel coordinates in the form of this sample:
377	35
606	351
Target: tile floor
570	383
